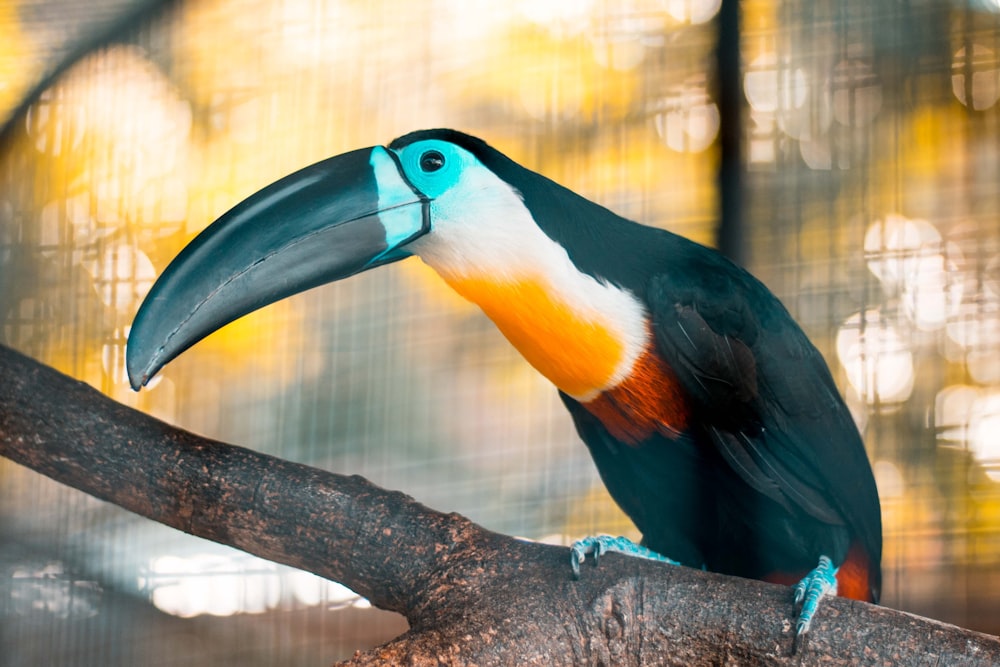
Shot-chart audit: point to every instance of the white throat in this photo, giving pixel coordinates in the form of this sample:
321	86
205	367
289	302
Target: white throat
529	286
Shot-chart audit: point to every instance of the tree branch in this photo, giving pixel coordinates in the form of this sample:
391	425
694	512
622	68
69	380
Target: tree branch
470	595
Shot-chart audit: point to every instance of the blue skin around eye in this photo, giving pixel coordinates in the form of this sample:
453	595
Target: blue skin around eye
435	183
403	222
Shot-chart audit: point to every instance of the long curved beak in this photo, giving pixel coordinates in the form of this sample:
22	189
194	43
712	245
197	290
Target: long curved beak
328	221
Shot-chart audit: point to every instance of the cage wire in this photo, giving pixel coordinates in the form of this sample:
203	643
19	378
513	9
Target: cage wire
870	142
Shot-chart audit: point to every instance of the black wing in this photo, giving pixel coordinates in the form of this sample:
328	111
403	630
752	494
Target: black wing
764	396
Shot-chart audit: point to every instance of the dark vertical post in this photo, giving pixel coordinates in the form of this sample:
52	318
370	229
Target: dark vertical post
729	97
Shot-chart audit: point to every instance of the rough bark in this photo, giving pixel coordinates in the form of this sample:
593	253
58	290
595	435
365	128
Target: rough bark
471	596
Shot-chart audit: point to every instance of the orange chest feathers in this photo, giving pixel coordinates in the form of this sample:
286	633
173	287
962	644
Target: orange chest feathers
619	378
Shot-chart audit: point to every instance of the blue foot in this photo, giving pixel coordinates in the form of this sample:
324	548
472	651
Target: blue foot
602	544
808	592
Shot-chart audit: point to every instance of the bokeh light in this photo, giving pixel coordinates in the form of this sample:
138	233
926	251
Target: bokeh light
984	432
689	120
693	11
870	136
896	248
878	362
982	71
773	85
857	93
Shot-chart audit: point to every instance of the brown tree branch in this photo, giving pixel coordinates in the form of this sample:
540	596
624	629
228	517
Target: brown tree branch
470	595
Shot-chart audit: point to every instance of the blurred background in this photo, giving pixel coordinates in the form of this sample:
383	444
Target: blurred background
867	141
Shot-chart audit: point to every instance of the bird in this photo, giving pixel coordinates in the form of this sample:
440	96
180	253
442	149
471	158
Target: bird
713	421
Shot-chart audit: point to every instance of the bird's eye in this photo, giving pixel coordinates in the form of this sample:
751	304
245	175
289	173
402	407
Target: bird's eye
431	161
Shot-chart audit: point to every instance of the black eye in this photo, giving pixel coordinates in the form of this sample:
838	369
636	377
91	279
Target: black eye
431	161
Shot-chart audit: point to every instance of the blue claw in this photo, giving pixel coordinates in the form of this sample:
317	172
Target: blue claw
822	580
601	544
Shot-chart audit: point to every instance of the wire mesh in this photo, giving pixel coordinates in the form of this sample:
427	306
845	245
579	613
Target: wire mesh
870	142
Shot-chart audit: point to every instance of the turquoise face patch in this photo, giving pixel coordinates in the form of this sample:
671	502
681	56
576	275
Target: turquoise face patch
402	221
433	166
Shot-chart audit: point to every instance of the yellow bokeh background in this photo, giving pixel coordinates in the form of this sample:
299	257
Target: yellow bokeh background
871	199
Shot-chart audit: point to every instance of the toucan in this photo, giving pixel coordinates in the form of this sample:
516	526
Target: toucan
713	421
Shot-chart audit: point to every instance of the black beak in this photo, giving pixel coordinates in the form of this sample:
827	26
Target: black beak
328	221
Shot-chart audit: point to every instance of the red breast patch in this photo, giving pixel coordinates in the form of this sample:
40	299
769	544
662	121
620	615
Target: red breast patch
650	400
